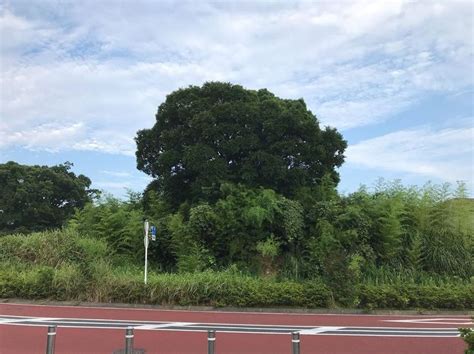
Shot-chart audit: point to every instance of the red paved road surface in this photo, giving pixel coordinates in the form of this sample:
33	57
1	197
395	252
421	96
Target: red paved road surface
16	339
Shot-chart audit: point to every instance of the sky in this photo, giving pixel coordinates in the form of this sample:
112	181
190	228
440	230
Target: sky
396	78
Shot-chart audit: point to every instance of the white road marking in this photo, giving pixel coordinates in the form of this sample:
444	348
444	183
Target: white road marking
437	320
386	335
268	329
151	323
318	330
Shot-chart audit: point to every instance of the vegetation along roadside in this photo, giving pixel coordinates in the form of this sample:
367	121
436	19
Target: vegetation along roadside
244	197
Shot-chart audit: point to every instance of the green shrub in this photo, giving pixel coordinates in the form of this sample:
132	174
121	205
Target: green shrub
68	282
116	222
459	296
10	282
38	284
100	281
108	284
224	289
468	335
64	265
51	248
92	249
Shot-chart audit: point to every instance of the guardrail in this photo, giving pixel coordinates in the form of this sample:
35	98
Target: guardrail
129	335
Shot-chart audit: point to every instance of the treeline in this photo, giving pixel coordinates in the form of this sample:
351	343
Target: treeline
395	247
393	235
36	198
425	229
245	189
390	247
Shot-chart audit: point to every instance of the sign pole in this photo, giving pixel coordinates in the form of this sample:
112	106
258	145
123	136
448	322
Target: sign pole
145	241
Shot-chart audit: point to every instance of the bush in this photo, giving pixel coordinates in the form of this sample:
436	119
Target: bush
64	265
68	282
33	283
453	296
108	284
468	335
52	248
226	289
58	264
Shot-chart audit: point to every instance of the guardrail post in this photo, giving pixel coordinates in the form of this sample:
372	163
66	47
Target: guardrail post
295	340
129	340
211	341
51	339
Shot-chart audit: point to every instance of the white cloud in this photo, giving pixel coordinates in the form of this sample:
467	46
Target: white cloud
104	69
122	182
446	154
49	137
108	142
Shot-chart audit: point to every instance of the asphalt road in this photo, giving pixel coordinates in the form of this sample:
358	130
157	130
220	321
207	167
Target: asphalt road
23	329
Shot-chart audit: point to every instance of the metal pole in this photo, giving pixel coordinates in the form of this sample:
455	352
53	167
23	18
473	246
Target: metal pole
145	240
211	341
51	339
146	260
295	340
129	340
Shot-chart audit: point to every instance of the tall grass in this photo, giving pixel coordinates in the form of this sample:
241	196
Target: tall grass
386	275
52	248
64	265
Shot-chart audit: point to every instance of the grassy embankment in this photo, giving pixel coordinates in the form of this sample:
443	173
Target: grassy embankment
63	265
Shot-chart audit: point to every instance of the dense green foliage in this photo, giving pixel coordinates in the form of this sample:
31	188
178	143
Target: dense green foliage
247	212
246	179
448	296
118	223
394	227
365	246
468	335
36	198
64	265
222	133
56	264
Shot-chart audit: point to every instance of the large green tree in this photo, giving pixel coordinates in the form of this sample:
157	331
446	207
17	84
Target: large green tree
205	136
35	198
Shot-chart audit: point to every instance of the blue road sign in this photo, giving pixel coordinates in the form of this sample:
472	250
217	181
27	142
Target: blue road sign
153	233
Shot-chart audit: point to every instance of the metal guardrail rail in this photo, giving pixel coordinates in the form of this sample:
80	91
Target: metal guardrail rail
129	336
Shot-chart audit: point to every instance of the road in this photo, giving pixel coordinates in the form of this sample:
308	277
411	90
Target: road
23	329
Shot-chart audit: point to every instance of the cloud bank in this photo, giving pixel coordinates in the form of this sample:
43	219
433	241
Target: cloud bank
87	75
447	154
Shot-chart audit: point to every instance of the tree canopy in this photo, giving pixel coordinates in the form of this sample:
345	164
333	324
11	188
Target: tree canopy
35	198
222	133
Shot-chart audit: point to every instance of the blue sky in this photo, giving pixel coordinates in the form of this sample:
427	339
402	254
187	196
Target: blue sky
79	78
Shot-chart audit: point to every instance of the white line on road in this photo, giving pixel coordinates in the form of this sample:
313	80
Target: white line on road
318	330
438	320
232	328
